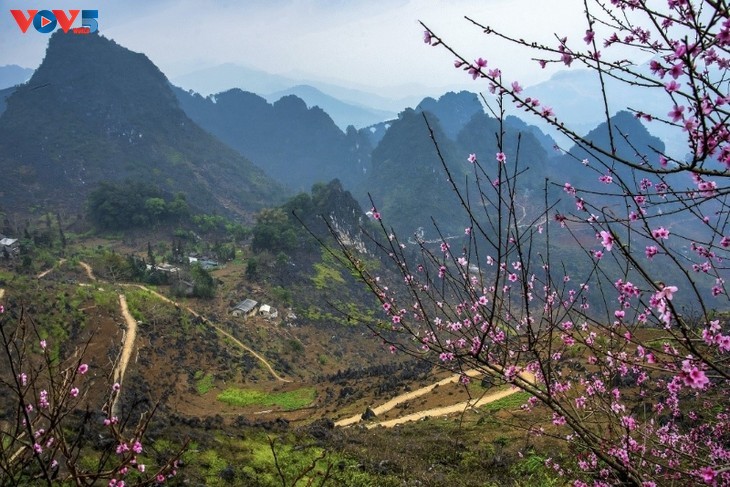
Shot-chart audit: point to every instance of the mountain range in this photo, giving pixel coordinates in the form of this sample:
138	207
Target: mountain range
235	152
76	124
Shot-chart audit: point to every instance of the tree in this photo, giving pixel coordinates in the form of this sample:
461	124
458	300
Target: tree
203	282
53	432
599	303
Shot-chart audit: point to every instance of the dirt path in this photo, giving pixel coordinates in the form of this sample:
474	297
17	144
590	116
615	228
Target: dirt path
220	330
129	338
440	411
385	407
89	271
48	271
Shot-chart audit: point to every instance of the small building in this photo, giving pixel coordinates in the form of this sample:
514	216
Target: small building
167	268
208	264
268	312
9	245
245	308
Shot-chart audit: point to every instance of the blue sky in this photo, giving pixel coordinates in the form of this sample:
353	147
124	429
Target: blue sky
368	44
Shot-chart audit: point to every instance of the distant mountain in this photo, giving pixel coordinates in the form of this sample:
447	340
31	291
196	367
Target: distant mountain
376	132
408	183
223	77
632	142
296	145
576	99
479	137
75	124
453	110
343	114
12	74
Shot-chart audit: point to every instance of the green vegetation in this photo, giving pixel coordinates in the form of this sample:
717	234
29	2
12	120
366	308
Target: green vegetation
286	400
203	382
133	204
510	403
327	273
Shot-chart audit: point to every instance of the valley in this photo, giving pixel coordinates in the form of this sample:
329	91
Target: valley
287	288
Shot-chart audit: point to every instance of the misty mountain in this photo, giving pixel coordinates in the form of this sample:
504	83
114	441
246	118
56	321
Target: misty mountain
343	114
75	124
296	145
453	110
408	183
576	98
12	74
224	77
479	137
632	141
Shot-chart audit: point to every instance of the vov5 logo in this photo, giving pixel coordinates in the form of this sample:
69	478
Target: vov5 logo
46	21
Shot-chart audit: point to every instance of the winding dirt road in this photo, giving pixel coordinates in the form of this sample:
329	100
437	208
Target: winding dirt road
129	341
443	411
48	271
130	336
220	330
385	407
440	411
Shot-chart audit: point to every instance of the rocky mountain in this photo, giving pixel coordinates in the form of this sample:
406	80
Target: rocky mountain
75	124
575	96
294	144
342	113
453	110
408	183
632	141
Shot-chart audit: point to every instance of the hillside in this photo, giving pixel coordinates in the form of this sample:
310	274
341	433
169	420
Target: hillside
75	124
295	145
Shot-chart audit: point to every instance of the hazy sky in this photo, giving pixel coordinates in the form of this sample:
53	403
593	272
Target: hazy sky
373	43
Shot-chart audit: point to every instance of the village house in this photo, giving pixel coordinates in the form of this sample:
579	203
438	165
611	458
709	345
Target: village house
245	308
268	311
9	246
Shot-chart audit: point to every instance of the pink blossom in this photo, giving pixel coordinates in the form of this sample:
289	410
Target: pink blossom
74	392
660	233
516	88
651	251
472	158
708	475
723	343
677	113
501	157
606	240
589	36
672	86
83	368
